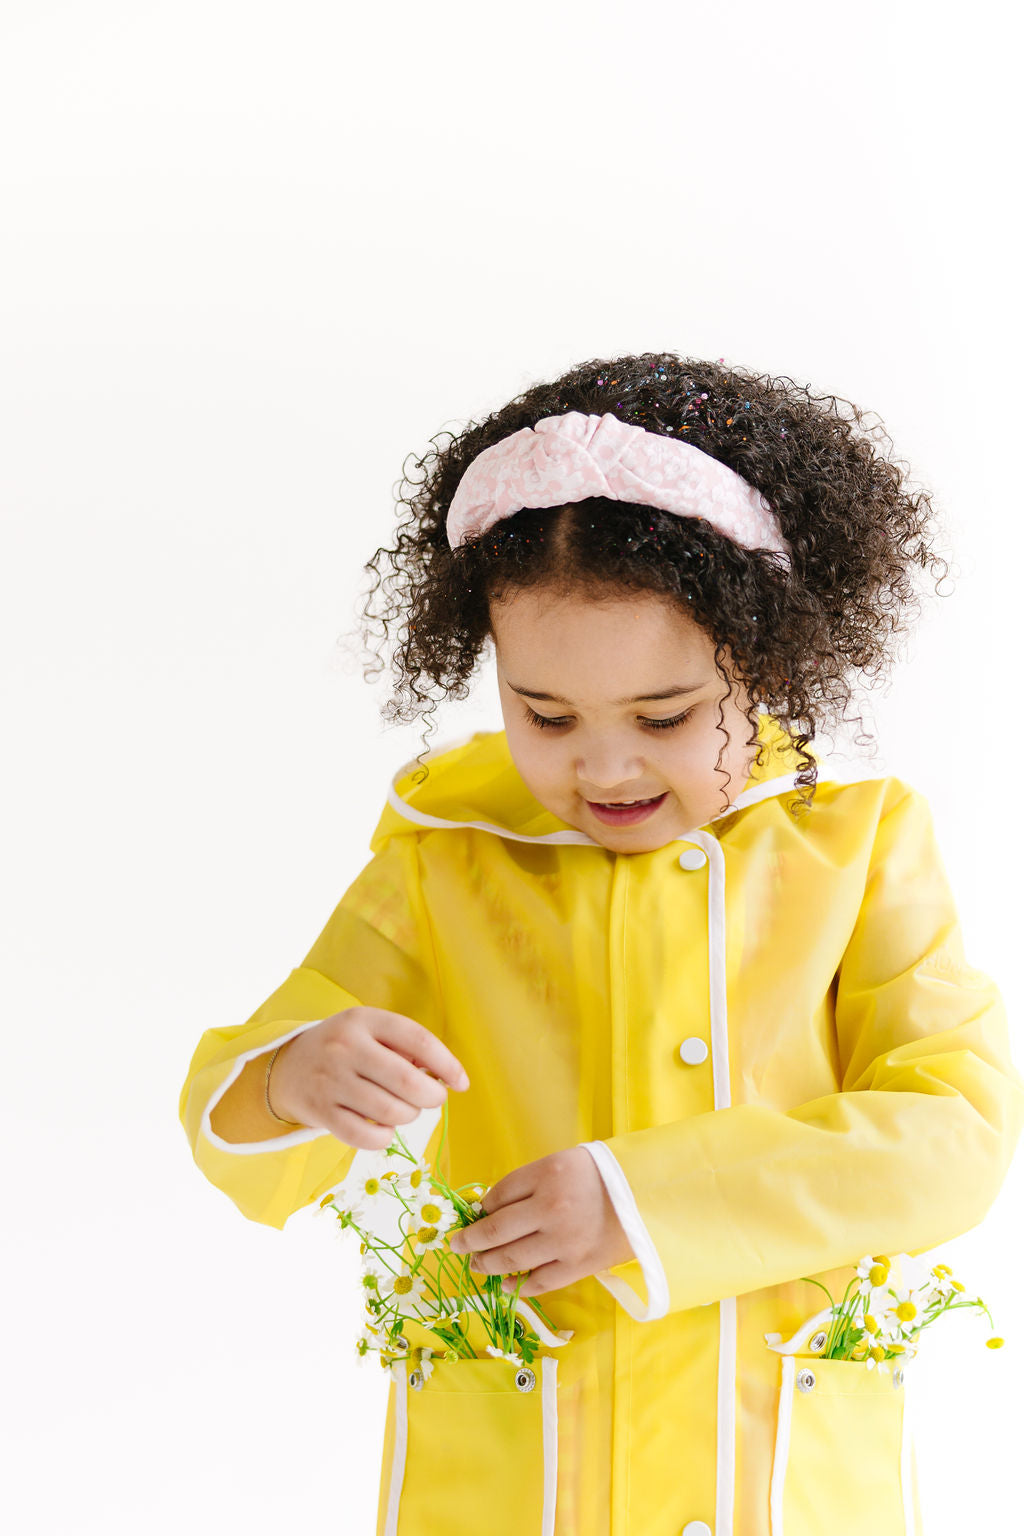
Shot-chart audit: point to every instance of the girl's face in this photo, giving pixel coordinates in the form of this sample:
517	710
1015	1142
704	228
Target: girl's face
601	664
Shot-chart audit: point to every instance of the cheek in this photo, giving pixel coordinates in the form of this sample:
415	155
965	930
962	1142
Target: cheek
528	754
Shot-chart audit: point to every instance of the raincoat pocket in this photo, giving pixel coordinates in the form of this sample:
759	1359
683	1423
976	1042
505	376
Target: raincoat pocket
475	1449
842	1459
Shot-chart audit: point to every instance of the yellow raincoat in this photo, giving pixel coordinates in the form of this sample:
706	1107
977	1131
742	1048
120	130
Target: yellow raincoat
768	1037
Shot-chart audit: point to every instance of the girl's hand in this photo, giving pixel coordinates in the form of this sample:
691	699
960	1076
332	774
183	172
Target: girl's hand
552	1217
361	1073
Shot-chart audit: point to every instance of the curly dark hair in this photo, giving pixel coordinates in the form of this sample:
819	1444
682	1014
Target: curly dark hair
855	529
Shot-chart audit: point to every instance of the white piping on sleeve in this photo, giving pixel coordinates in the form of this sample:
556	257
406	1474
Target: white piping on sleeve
273	1143
627	1211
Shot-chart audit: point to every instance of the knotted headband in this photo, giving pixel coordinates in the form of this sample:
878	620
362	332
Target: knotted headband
567	458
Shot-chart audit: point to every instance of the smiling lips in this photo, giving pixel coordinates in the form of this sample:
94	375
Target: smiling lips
625	813
649	800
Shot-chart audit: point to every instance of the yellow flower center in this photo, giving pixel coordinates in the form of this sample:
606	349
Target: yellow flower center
994	1343
878	1274
372	1186
426	1235
870	1323
326	1200
402	1285
957	1285
905	1311
877	1352
416	1177
431	1213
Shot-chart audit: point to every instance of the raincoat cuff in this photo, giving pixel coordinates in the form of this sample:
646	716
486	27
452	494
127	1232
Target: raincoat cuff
647	1265
271	1143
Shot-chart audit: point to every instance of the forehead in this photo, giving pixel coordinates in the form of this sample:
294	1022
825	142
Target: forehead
575	646
528	615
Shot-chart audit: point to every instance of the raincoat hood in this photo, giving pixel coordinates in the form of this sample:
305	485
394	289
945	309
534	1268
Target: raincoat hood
475	783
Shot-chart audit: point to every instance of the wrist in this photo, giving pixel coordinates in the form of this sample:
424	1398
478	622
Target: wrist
272	1111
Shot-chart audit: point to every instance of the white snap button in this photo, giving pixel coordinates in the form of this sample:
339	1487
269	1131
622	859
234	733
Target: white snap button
696	1528
692	858
693	1050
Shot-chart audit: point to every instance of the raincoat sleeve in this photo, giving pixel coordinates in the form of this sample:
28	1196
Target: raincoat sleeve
910	1153
374	950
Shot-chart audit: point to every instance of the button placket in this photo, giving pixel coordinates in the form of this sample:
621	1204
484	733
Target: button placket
693	1049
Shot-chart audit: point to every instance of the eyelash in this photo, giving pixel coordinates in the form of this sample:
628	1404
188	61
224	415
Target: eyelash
657	725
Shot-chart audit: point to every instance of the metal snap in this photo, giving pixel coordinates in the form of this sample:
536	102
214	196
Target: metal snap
525	1379
897	1376
805	1380
416	1380
400	1341
818	1342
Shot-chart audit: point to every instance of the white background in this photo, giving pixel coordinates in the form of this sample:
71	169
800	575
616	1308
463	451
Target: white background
252	256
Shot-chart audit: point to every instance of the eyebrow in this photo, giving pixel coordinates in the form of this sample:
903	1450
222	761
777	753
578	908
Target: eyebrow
674	692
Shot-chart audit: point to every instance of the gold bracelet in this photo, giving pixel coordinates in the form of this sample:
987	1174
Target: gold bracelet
266	1089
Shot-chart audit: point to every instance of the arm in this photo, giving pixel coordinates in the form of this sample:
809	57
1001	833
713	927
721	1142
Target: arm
908	1154
373	951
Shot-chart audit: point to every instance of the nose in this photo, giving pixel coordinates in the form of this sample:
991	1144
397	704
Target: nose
607	772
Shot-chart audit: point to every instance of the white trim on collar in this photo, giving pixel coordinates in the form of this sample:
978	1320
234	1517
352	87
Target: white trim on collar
851	773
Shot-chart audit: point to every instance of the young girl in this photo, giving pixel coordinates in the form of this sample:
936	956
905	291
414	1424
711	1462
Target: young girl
702	997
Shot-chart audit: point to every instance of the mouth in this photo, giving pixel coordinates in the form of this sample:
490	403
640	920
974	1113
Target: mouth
626	814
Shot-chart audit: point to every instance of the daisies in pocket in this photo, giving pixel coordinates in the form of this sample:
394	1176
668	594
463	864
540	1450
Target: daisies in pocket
877	1322
414	1287
843	1459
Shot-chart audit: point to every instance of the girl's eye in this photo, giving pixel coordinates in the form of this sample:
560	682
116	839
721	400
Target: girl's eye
657	725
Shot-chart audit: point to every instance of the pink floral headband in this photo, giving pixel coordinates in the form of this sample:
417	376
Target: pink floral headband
567	458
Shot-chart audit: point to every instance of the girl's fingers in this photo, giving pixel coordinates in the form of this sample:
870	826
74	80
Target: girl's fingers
549	1277
510	1258
356	1131
395	1074
376	1103
497	1229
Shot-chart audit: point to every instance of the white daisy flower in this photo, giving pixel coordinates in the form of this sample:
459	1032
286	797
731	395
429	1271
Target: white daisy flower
426	1364
501	1354
907	1309
405	1287
375	1275
871	1274
367	1341
373	1264
432	1210
368	1195
412	1181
